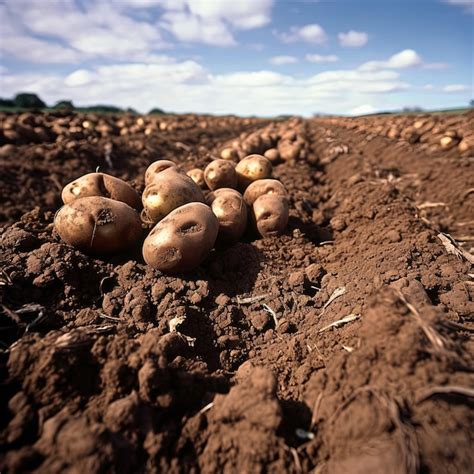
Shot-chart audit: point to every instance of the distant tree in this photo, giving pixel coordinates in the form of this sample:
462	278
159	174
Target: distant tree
101	108
156	111
64	104
28	101
6	102
471	103
412	109
131	110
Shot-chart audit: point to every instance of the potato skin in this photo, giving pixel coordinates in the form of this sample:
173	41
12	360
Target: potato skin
170	189
220	174
156	168
251	168
273	155
263	186
101	184
229	153
98	225
270	214
182	240
231	211
197	175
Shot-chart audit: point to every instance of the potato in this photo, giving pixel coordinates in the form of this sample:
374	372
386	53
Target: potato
270	214
182	240
263	186
229	154
231	211
170	189
156	168
220	174
101	184
251	168
273	155
98	225
197	175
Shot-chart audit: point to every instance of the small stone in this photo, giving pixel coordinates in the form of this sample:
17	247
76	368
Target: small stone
314	272
393	236
222	300
296	279
338	223
260	320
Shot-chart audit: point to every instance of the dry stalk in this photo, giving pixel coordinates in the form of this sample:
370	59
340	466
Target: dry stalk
340	322
445	390
467	192
429	205
335	294
273	314
206	408
453	248
104	316
252	299
296	458
315	413
432	335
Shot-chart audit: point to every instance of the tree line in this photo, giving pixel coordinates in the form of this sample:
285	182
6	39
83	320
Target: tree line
31	101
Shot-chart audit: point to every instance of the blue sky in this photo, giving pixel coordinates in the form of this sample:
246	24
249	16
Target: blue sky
262	57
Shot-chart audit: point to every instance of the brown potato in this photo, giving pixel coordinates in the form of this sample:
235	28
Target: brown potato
197	175
220	174
230	209
273	155
101	184
263	186
98	225
270	214
156	168
182	240
169	190
229	153
251	168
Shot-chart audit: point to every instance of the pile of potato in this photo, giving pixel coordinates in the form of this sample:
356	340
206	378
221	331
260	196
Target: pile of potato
433	132
62	126
276	142
189	212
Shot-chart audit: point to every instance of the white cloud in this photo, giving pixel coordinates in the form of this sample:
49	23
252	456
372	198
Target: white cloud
213	22
363	110
467	5
193	29
282	60
252	79
38	51
78	32
402	60
317	58
242	14
367	82
408	58
81	77
456	88
98	30
313	34
353	39
183	86
428	87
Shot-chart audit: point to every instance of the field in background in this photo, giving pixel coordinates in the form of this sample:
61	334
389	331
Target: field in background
344	343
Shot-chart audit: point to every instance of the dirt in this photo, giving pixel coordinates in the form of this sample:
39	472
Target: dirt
344	345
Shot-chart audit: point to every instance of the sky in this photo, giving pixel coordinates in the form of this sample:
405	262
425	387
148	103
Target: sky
245	57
